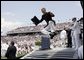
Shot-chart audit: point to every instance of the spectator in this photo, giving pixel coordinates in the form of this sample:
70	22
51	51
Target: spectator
11	51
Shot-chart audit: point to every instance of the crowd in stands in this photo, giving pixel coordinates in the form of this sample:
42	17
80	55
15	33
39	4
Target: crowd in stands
26	43
22	43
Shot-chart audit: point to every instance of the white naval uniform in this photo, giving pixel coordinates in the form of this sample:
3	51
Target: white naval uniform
73	40
63	36
50	27
80	52
76	31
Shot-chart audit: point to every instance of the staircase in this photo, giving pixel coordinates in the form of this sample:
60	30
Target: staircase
57	53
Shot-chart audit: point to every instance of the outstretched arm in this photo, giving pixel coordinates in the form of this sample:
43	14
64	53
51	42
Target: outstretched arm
41	20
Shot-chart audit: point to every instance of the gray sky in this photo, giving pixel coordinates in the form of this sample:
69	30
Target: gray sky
19	13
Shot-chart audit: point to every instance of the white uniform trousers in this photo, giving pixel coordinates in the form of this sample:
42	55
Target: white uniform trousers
50	28
77	40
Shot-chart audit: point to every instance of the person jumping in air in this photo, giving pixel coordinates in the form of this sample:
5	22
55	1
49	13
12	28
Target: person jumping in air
50	27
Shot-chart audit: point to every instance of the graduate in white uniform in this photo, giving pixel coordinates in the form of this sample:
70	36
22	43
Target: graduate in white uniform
76	34
80	50
73	39
63	36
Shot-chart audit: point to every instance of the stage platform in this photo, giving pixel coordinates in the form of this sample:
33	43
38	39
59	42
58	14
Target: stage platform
56	53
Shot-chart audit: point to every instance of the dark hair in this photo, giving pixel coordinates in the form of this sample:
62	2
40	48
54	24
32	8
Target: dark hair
12	42
64	28
73	18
